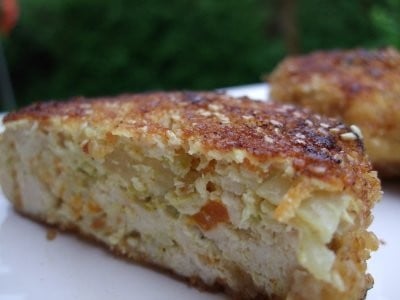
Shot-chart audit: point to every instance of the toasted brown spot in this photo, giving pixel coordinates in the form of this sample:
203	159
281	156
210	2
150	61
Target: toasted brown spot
98	223
76	205
110	138
85	147
210	187
211	214
94	207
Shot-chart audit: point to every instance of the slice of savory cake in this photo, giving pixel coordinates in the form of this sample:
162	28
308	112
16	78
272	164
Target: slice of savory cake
259	198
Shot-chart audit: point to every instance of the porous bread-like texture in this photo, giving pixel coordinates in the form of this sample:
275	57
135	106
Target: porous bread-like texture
263	199
360	86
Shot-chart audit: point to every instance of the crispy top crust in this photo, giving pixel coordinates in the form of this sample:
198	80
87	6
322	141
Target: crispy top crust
316	146
355	71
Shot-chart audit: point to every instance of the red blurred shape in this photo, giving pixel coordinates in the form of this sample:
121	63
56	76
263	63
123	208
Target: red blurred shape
9	14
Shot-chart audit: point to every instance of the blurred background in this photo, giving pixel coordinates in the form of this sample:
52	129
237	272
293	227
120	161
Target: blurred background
64	48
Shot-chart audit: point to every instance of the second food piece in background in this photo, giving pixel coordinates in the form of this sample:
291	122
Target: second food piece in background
360	86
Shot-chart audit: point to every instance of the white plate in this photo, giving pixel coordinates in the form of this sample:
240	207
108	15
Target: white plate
31	267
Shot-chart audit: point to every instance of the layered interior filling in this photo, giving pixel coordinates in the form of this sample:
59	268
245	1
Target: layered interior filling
206	214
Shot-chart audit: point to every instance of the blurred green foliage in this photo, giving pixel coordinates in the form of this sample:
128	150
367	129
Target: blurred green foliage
336	24
386	17
65	48
94	47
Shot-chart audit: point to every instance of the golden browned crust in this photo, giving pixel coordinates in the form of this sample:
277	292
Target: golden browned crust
360	86
320	147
